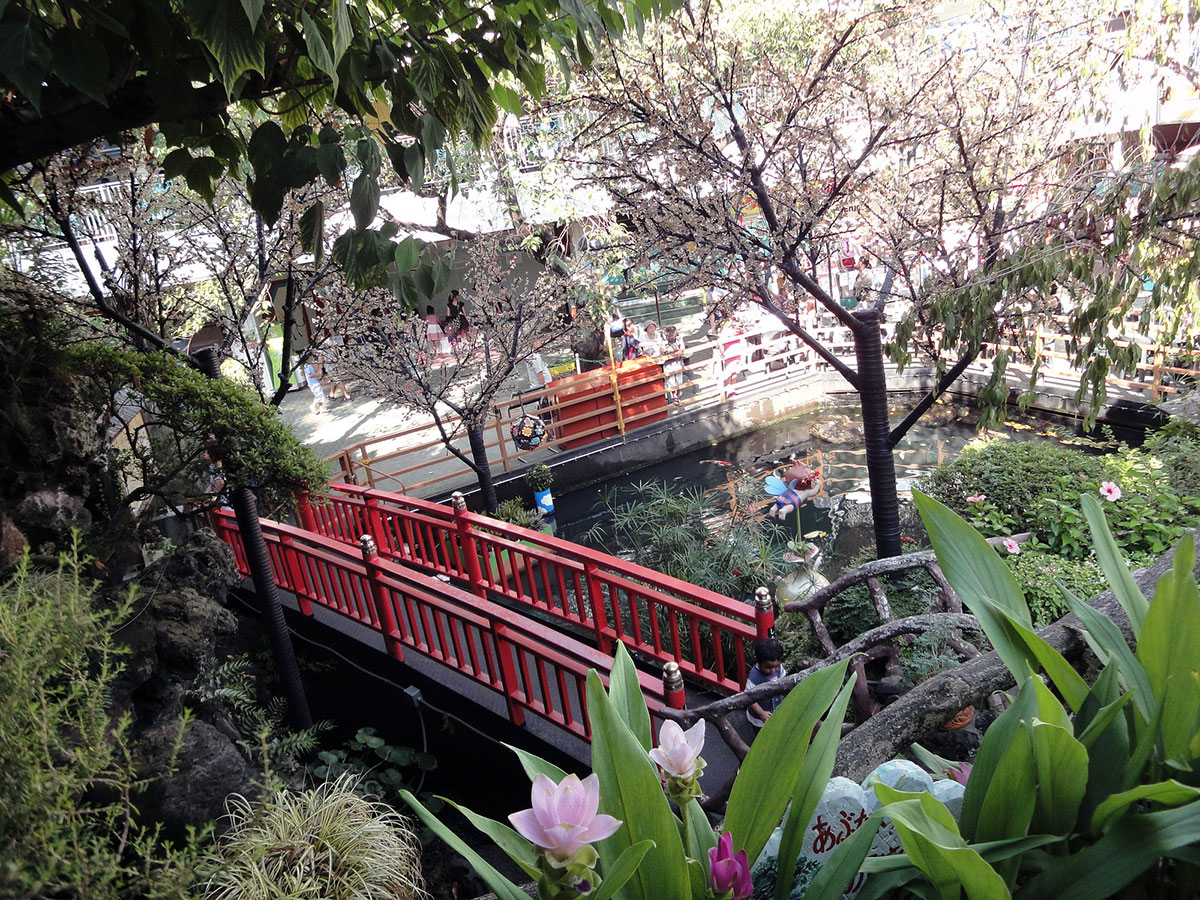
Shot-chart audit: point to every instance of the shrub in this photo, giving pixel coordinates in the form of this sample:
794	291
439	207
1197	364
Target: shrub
1009	473
539	477
67	785
1177	446
327	842
1039	574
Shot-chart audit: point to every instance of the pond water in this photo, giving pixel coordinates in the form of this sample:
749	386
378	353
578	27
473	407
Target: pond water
829	438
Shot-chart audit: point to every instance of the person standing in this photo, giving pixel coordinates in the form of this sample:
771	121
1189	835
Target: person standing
438	345
313	372
456	316
651	344
673	364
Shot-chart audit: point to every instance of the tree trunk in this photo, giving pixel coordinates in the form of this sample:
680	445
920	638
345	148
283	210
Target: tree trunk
483	469
881	466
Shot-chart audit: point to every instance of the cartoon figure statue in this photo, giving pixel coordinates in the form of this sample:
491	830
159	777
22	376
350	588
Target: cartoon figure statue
798	484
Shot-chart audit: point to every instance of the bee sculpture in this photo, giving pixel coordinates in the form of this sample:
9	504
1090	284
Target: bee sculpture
798	484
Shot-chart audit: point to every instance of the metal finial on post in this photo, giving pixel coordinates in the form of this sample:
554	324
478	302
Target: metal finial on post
368	546
764	613
673	686
458	501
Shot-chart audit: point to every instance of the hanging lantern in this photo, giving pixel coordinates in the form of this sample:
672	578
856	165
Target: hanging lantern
528	432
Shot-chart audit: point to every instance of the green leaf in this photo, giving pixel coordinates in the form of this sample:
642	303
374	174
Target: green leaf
626	695
1109	556
318	49
425	76
998	802
253	10
507	839
176	163
501	886
1169	650
1131	846
1069	682
343	31
81	61
1168	793
930	838
1061	766
222	27
700	835
364	200
616	875
312	231
810	784
756	802
509	100
202	176
976	571
534	765
1107	636
630	790
408	251
25	60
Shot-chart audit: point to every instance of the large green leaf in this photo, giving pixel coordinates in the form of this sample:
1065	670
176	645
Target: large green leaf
1169	650
82	62
1069	682
312	231
222	26
700	835
1168	793
630	790
810	785
931	839
1109	556
518	849
1000	785
1110	644
25	60
1133	845
616	875
318	48
364	200
976	572
1061	766
626	695
501	886
756	802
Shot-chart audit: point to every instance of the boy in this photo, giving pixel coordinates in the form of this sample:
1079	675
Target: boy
768	666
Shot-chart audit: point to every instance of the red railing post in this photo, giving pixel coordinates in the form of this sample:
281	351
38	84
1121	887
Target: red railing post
505	650
379	598
304	512
596	605
467	549
673	691
295	573
375	523
764	613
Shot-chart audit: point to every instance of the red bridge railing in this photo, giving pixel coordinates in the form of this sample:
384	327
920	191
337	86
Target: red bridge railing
654	615
535	668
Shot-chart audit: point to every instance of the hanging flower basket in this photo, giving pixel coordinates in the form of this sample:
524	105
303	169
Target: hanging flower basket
528	432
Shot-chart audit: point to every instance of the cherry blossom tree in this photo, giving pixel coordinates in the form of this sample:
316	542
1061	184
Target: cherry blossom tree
512	311
946	148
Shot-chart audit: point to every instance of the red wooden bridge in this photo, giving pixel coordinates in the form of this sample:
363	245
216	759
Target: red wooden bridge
517	611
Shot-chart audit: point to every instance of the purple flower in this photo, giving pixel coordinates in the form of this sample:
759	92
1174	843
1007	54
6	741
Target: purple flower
960	772
729	872
977	498
1110	490
678	751
563	818
1011	546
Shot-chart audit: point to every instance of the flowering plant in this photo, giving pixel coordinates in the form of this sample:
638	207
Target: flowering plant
616	831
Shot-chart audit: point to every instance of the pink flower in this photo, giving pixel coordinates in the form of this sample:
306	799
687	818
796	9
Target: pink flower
977	498
678	751
1110	491
563	818
1012	546
960	772
729	872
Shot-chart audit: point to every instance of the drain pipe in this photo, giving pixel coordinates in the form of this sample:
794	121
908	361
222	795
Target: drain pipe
245	510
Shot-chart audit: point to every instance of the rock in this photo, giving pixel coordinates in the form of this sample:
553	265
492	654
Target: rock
203	563
53	510
209	768
13	542
186	627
